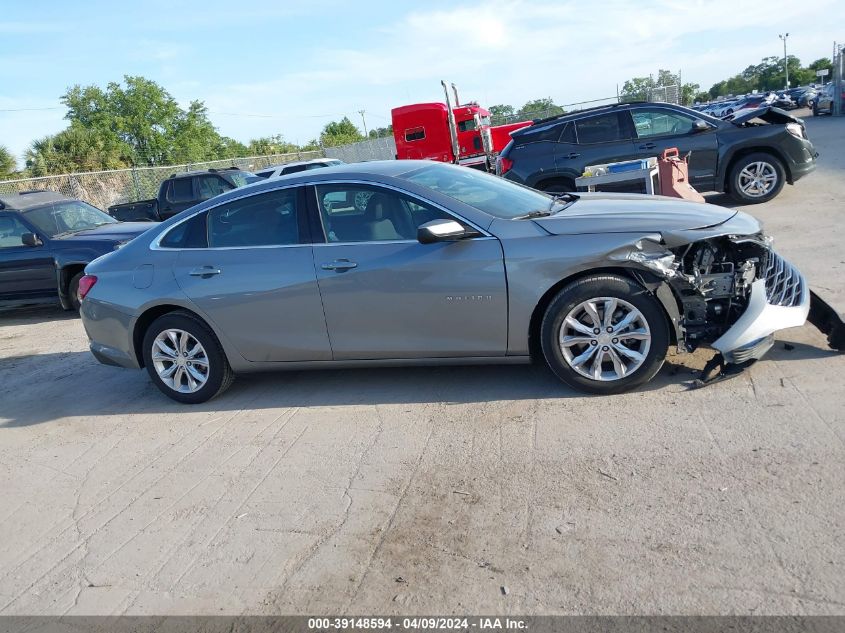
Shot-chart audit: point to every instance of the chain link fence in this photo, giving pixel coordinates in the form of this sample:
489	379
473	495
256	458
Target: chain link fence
105	188
383	148
666	94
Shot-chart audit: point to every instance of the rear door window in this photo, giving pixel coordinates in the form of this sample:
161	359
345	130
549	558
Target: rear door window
602	128
189	234
268	219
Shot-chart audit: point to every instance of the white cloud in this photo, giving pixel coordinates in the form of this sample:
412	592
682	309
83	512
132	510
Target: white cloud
510	52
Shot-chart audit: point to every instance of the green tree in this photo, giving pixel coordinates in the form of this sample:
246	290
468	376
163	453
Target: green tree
341	132
8	165
194	138
74	149
501	113
820	64
637	89
145	120
646	88
381	132
539	108
275	144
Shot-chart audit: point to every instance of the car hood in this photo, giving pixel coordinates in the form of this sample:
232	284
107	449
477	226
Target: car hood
677	221
769	114
115	232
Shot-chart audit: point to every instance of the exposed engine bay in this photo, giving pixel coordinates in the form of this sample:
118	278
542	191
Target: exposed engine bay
713	283
726	281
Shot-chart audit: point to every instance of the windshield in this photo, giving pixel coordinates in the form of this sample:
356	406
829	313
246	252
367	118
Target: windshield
491	194
61	218
241	178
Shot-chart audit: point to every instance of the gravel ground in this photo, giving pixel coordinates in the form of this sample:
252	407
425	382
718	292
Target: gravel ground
429	490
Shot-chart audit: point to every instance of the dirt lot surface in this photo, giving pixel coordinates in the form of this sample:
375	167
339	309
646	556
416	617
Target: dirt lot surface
430	490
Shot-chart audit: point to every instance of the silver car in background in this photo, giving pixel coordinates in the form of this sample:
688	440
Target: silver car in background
415	262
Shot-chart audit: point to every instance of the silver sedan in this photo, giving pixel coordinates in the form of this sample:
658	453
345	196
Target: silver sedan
409	262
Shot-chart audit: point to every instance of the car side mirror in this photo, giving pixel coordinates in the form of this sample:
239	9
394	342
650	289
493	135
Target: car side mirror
31	239
443	231
700	125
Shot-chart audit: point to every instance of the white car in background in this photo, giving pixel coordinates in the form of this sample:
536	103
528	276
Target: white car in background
296	166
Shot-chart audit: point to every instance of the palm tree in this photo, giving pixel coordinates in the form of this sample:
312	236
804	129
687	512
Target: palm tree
8	164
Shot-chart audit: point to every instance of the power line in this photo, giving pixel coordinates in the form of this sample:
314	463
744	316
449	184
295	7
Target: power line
30	109
275	116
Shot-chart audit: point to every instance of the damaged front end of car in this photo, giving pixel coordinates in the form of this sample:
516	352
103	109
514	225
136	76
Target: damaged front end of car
731	292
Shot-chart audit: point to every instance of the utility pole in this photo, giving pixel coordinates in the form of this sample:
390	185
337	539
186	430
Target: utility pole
785	60
361	112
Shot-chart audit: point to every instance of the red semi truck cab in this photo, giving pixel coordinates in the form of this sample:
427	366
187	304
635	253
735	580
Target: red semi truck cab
427	131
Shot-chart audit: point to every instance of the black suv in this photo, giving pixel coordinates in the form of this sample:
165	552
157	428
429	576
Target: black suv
47	239
750	156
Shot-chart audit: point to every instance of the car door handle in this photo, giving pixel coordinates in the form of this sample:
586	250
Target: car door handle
647	146
573	155
205	271
339	265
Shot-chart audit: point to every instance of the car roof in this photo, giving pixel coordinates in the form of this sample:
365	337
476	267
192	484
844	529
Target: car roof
29	200
352	171
575	114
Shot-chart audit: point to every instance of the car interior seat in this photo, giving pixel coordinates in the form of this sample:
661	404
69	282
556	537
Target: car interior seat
378	218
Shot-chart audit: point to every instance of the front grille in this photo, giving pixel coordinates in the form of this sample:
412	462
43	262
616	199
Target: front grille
784	284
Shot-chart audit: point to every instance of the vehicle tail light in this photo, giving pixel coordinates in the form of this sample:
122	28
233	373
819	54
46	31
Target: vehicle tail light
504	165
85	284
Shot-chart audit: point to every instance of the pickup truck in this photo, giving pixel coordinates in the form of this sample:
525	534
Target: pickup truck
180	192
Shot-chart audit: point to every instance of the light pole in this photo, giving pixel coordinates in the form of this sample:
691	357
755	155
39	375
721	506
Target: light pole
785	60
362	112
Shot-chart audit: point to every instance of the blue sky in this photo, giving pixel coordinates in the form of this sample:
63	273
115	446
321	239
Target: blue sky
300	65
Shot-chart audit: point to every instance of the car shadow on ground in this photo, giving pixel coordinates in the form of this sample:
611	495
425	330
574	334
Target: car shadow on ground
36	313
43	388
725	200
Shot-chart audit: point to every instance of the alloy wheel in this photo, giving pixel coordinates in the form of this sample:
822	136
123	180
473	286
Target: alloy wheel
757	179
180	361
605	339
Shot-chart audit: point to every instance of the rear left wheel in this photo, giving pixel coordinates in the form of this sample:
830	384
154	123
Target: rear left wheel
184	358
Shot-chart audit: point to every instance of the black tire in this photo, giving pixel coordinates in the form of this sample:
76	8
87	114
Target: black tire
612	286
563	185
759	157
219	373
815	109
73	292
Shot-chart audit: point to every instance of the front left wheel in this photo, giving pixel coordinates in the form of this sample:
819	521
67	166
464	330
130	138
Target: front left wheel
604	334
184	358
